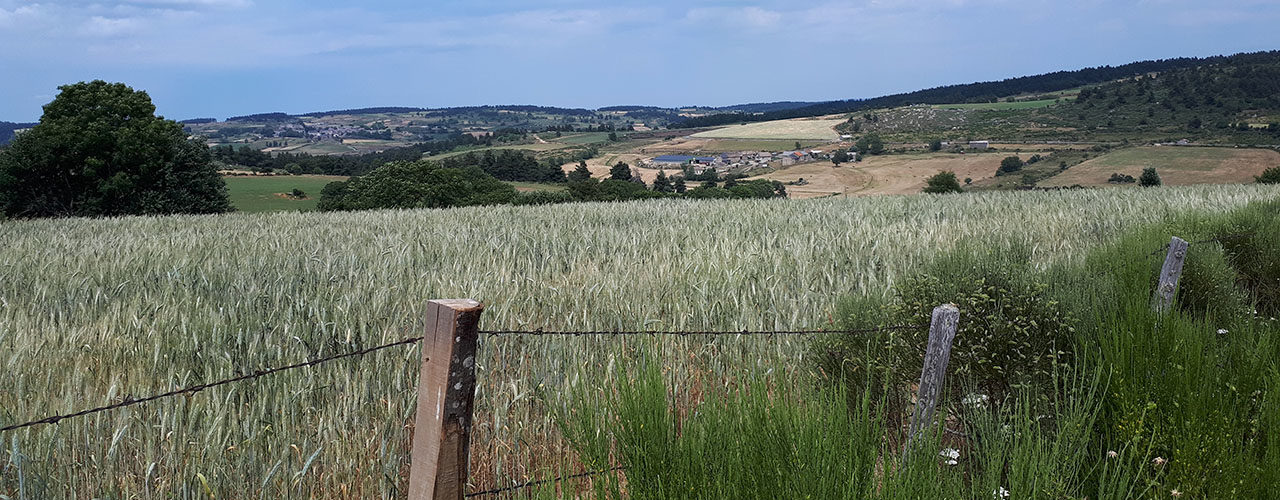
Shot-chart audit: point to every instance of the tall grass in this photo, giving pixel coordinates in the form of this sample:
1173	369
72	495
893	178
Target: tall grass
93	311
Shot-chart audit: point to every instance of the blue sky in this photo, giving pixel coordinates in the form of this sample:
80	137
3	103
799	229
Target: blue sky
219	58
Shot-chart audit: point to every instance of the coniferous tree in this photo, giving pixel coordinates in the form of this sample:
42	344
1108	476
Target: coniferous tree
662	184
1149	177
581	173
620	172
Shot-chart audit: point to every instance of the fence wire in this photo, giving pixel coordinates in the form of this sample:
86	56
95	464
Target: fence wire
530	484
129	401
1228	237
541	332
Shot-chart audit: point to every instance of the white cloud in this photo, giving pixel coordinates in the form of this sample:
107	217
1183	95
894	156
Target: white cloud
98	26
17	15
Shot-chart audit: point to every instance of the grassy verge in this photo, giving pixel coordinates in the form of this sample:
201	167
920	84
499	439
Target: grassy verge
1063	384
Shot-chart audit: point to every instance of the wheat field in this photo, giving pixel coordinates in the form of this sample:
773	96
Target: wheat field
94	311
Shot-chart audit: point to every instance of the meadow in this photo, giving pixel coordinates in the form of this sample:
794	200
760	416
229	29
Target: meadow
266	193
94	311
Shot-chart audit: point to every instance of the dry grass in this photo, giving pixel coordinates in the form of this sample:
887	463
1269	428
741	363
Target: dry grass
1177	166
890	174
799	128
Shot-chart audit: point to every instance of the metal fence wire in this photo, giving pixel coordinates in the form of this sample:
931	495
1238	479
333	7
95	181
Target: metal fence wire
130	401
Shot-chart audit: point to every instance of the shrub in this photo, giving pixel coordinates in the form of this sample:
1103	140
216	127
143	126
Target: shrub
1122	179
1011	335
942	182
1149	177
1009	164
1269	176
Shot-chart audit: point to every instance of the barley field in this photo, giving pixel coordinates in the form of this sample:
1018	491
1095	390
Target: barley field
96	311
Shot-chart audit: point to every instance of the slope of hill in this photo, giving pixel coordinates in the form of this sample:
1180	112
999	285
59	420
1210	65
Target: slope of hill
986	91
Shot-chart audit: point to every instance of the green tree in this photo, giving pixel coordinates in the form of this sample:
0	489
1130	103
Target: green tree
1149	177
100	150
417	184
1269	176
580	173
613	136
942	182
1009	165
797	144
679	186
620	172
870	144
935	145
840	156
662	184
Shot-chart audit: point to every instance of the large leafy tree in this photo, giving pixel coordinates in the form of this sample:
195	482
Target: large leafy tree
100	150
418	184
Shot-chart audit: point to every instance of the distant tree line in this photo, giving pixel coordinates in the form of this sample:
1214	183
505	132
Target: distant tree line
303	163
431	184
982	92
7	130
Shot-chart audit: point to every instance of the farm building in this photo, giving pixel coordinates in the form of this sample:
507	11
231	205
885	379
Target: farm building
979	144
672	160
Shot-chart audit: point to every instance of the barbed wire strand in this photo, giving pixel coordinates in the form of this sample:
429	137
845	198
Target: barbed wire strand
540	331
531	484
1228	237
129	401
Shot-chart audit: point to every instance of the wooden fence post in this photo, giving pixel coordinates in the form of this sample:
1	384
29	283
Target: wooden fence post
942	331
1169	275
446	391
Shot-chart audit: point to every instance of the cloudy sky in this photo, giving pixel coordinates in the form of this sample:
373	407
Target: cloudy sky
218	58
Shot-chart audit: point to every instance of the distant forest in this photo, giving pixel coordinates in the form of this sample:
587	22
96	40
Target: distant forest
984	91
8	128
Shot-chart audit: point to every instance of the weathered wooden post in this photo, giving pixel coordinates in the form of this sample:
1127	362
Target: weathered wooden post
446	391
942	331
1169	275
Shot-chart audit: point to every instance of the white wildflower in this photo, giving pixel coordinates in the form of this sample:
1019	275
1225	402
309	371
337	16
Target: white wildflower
1175	493
1112	454
951	454
1158	461
1000	493
1222	331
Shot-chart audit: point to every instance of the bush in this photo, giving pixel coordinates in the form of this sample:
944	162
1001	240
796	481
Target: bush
1149	177
942	182
1009	164
1122	179
1269	176
1011	335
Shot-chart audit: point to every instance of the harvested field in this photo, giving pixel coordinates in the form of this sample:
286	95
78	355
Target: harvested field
1177	166
895	174
800	128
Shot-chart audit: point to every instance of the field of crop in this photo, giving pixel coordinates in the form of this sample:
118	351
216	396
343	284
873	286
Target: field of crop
1176	165
800	128
93	311
267	193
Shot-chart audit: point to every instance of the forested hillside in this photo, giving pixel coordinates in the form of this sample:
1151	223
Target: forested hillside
990	91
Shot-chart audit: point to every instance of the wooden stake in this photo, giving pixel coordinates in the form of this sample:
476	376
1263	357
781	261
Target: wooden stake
942	331
1169	275
446	392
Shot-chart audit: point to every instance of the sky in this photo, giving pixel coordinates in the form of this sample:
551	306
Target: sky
220	58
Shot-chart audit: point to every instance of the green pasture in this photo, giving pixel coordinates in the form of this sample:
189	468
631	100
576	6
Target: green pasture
263	193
